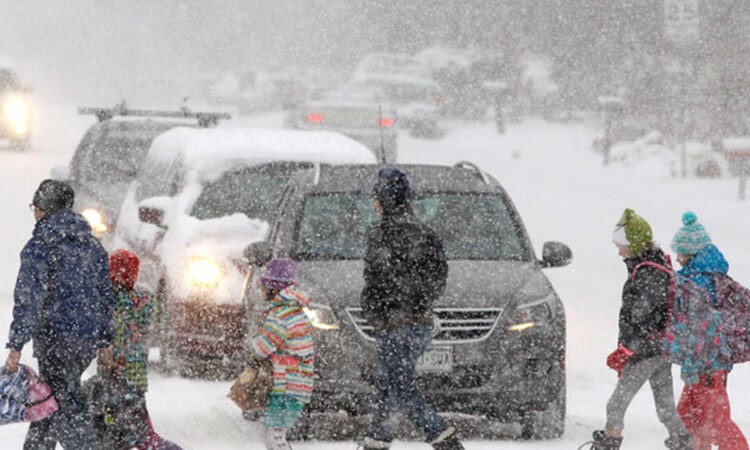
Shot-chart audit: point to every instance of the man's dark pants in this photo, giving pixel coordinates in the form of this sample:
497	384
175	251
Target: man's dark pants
395	386
71	425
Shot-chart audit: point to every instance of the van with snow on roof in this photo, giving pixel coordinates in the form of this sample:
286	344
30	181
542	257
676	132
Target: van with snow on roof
201	197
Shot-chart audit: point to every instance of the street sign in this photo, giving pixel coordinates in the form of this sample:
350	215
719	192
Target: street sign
737	150
681	21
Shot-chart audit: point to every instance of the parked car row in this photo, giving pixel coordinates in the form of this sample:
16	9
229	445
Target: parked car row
206	208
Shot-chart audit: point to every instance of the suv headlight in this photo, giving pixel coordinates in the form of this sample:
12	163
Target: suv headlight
322	317
95	220
530	315
16	110
204	272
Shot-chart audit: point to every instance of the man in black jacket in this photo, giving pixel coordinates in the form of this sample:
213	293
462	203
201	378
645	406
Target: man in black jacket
405	271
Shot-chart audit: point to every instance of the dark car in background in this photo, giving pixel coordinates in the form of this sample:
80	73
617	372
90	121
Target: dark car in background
353	111
405	83
498	344
110	153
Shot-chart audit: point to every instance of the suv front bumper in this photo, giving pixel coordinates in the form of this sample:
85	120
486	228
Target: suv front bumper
204	330
501	376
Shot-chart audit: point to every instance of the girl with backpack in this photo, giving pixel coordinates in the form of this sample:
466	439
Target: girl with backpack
130	424
704	406
638	357
286	339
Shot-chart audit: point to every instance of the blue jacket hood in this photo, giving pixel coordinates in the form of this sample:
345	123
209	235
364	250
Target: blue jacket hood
708	261
65	224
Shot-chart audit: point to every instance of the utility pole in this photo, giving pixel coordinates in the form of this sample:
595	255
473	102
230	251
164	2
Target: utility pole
612	107
681	29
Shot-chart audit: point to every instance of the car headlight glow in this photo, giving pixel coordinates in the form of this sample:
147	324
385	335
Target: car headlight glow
322	317
16	110
95	220
204	272
529	316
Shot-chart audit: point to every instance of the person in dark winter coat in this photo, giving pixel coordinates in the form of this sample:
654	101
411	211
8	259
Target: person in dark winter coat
405	271
63	302
638	357
133	314
704	406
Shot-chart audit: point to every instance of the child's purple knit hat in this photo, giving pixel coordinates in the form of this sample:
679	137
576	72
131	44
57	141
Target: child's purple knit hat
279	273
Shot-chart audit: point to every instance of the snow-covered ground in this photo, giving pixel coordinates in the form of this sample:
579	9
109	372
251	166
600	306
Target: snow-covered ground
563	193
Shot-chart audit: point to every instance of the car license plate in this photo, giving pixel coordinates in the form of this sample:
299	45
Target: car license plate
437	359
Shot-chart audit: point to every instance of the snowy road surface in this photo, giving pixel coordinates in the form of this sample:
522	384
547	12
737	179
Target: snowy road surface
562	192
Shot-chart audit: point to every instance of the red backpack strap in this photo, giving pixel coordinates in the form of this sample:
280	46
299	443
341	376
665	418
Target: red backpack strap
667	269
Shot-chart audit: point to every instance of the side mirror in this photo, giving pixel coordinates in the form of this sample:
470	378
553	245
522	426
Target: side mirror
258	253
60	173
149	214
555	254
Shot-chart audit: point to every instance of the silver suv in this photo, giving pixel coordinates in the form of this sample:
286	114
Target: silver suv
498	345
110	154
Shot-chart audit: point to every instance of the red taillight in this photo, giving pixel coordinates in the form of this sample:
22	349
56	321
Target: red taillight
315	118
386	122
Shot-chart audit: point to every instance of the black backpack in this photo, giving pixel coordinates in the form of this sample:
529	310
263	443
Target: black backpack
421	269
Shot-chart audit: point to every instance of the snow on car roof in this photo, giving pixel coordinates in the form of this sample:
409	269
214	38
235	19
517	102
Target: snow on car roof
201	147
439	57
392	66
737	144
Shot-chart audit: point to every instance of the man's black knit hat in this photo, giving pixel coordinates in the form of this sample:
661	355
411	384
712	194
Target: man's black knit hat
53	195
392	188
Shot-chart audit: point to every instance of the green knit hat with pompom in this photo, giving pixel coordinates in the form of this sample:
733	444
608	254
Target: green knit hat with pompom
633	232
691	238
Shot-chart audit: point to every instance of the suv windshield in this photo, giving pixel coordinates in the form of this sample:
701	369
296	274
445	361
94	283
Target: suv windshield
253	191
472	226
116	161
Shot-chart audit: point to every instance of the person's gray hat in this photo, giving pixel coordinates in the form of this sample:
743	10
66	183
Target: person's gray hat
53	195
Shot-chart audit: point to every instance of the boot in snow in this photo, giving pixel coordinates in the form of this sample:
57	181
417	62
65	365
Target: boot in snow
681	442
369	443
604	442
447	440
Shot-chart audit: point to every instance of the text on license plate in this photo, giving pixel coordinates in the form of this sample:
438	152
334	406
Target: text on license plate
437	359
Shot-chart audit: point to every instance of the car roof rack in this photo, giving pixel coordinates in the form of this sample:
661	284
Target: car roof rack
473	167
205	119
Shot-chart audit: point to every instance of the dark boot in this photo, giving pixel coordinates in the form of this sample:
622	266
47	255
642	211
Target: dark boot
604	442
681	442
447	440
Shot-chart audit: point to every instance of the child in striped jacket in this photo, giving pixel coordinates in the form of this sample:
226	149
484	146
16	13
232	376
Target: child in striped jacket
286	339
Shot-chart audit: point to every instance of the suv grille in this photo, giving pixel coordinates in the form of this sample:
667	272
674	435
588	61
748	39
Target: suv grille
452	325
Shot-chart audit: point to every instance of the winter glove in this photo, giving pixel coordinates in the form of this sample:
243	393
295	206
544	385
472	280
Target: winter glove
618	359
